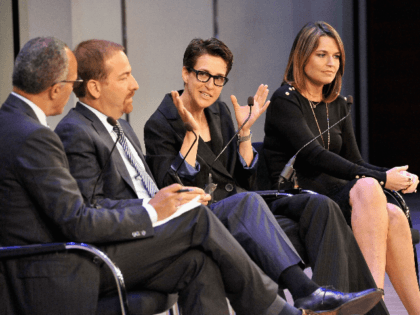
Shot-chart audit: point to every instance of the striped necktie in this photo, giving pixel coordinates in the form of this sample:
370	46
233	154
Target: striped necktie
147	181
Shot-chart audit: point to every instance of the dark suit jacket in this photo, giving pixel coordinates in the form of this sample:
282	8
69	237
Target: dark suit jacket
86	140
164	133
41	203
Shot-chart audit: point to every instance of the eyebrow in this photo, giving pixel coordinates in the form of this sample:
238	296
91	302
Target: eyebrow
323	50
125	73
220	75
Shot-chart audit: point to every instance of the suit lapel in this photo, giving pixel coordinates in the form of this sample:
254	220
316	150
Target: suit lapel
98	126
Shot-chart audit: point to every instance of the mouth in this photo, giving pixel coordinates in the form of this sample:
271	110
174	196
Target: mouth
205	95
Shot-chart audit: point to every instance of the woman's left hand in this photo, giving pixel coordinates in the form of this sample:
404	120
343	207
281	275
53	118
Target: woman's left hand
242	112
413	186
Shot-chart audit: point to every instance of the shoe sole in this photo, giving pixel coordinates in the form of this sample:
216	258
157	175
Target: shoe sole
357	306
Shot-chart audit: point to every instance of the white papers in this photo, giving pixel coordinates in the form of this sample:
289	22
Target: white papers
182	209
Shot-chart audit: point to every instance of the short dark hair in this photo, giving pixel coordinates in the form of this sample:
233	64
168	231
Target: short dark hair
91	56
212	46
41	63
306	42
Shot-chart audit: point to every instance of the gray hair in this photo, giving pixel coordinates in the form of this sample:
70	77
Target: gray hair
41	63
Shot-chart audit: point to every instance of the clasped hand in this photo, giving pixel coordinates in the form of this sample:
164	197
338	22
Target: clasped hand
398	179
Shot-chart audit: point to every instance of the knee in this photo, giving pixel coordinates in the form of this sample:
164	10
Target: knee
396	216
250	199
367	189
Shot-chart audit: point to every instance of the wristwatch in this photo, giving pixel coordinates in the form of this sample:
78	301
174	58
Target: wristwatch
243	139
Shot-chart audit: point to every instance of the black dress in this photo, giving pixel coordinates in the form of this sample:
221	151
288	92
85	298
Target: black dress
290	124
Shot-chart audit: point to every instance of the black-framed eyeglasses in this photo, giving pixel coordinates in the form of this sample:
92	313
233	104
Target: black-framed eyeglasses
69	81
204	77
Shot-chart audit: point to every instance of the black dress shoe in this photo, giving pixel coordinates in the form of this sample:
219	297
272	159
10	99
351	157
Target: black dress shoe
330	302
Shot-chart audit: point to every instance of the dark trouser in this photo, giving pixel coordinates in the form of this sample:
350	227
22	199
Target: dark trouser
250	221
319	232
173	261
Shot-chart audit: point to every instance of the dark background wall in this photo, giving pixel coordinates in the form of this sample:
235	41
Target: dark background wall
394	68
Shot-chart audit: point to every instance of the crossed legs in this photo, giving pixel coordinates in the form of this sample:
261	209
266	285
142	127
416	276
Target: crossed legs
384	237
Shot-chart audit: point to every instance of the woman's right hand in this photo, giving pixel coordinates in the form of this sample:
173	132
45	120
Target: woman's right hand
183	112
396	178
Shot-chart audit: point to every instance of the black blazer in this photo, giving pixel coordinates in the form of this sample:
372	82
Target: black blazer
163	136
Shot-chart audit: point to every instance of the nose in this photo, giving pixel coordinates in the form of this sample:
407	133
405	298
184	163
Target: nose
330	61
210	83
134	84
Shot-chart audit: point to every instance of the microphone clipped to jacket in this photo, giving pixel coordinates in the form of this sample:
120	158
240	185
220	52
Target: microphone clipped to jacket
189	128
113	123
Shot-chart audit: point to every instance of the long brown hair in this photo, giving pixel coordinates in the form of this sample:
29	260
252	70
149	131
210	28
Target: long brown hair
306	42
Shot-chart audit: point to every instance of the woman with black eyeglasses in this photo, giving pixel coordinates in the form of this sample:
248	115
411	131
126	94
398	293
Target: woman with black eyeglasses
206	66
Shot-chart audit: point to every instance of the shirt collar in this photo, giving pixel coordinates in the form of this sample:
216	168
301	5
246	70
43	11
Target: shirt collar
38	111
101	116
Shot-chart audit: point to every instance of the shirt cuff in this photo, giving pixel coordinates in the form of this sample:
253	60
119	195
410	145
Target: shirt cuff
254	160
150	210
186	170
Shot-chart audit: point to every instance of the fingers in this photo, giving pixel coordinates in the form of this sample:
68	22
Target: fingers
412	184
401	168
184	198
172	188
177	100
234	102
261	95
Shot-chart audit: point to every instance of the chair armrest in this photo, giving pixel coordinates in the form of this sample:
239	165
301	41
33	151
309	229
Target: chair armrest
19	251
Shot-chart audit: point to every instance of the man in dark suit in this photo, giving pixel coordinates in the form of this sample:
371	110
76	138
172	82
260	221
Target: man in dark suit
88	138
192	254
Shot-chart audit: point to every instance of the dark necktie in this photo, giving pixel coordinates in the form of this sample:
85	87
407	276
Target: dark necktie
147	181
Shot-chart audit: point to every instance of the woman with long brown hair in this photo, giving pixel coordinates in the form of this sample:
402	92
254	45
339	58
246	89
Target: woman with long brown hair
306	105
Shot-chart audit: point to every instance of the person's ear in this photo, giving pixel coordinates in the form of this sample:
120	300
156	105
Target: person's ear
54	91
185	75
93	87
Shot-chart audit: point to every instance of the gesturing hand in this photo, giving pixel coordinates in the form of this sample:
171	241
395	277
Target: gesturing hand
242	112
183	112
168	199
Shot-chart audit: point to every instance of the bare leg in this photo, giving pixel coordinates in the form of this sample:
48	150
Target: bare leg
369	221
400	260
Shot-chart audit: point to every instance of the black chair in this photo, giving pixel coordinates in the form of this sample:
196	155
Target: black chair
263	184
141	302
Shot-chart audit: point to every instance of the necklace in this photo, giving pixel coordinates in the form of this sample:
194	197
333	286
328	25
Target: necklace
312	105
